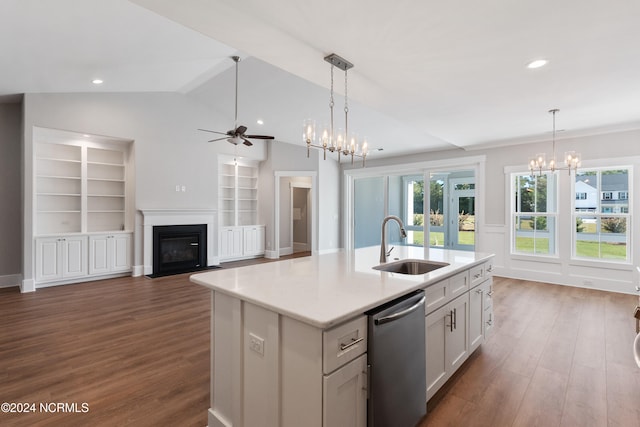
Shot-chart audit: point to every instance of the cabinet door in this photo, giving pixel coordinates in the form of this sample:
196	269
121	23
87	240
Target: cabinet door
457	339
345	395
253	240
476	312
98	254
48	261
230	242
438	324
121	252
74	255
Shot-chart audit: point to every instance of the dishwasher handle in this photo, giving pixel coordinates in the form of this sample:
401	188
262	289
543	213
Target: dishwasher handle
399	314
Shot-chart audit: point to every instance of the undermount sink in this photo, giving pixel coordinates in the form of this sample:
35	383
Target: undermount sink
411	266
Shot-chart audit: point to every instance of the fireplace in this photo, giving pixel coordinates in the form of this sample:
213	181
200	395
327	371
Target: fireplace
179	248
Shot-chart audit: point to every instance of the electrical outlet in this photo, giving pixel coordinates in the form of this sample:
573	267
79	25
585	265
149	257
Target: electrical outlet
183	188
256	344
177	187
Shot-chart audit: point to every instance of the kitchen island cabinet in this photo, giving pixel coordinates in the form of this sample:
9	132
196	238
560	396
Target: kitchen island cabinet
289	338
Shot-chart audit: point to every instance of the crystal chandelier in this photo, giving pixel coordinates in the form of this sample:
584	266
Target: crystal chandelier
329	138
539	163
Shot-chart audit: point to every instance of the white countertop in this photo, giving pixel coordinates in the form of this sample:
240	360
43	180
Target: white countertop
325	290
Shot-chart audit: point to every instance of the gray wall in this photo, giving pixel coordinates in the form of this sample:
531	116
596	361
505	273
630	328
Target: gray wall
10	194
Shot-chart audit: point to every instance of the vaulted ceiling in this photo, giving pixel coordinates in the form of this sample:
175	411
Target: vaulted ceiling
428	74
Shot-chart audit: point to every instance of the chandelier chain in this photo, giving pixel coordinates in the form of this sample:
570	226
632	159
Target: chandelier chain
331	104
346	106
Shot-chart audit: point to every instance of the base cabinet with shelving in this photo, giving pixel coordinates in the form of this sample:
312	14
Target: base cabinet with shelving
109	253
60	258
241	242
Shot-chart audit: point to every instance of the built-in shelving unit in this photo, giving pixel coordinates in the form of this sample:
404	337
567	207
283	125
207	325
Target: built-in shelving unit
240	235
81	206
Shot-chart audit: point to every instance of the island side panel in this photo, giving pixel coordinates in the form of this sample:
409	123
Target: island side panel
301	352
226	357
261	368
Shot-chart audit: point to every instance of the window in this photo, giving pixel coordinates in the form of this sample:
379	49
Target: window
534	214
581	196
413	215
602	231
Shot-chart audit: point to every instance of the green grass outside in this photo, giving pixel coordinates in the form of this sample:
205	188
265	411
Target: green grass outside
583	249
436	238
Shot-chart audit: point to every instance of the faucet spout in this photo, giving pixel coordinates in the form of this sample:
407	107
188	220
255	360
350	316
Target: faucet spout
383	242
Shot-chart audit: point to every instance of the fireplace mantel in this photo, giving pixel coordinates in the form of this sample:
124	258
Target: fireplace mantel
152	217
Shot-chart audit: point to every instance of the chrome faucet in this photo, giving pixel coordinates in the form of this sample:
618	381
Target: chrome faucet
383	244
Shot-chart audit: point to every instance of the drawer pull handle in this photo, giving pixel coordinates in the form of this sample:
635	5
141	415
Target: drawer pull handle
478	291
490	293
353	342
476	276
490	269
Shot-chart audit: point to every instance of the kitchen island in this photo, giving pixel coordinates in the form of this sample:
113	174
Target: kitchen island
288	338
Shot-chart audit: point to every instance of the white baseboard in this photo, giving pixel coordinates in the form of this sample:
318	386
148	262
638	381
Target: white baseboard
286	251
329	251
137	271
10	280
28	285
300	247
271	255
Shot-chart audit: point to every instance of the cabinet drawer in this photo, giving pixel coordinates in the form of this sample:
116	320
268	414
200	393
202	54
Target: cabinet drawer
488	268
440	293
477	274
344	343
488	294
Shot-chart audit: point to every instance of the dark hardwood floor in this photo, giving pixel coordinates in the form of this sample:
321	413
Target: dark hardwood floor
136	350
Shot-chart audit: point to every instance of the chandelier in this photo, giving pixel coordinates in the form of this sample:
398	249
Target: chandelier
539	163
340	141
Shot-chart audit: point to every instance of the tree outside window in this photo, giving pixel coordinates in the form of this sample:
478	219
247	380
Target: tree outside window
534	214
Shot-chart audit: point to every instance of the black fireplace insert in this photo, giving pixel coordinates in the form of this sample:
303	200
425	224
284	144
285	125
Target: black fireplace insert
179	249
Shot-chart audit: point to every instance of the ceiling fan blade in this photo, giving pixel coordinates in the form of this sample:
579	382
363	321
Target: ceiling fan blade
259	136
213	131
247	142
240	130
217	139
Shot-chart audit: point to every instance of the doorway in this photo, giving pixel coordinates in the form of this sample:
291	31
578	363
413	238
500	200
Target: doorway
452	223
300	218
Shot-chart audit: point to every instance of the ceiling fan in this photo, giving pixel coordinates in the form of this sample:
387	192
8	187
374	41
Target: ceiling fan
237	135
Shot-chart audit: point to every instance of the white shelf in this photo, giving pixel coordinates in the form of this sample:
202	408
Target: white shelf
79	189
238	194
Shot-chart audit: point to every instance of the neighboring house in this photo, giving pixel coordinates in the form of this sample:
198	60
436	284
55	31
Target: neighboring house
614	193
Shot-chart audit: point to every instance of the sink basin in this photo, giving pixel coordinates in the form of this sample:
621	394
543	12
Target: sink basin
410	266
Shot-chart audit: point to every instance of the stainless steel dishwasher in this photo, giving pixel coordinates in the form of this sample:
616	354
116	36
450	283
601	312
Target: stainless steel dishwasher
396	358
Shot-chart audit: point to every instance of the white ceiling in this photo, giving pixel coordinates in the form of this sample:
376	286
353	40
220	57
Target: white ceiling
428	74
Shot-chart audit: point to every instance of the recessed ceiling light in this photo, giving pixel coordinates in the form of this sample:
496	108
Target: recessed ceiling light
260	122
537	63
86	135
97	81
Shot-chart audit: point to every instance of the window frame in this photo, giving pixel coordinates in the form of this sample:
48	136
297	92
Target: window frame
514	214
603	211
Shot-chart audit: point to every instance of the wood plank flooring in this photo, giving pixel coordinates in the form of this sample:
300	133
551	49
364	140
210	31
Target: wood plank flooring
559	356
137	351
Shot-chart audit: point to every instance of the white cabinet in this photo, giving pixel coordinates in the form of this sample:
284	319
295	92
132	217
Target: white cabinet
456	326
253	238
476	316
446	342
59	258
344	395
109	253
241	242
230	242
